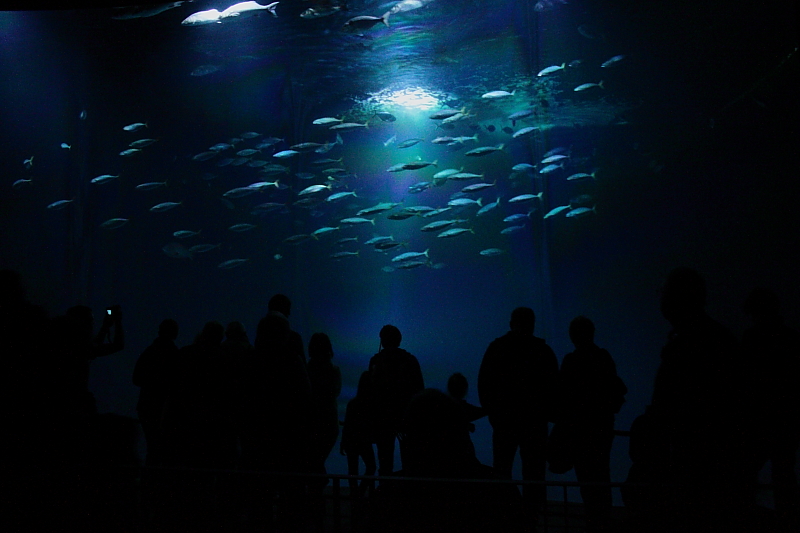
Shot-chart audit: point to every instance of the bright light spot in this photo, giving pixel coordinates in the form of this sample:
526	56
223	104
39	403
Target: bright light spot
408	98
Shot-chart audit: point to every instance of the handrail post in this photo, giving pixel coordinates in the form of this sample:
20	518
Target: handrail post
337	505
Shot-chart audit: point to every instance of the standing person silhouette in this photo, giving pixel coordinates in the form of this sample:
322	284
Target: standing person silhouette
772	351
516	382
156	373
281	305
396	378
590	395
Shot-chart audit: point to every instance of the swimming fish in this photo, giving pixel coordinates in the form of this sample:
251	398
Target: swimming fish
209	16
550	70
243	9
613	61
114	223
585	86
164	206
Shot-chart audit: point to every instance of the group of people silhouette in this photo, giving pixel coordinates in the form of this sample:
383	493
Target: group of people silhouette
720	410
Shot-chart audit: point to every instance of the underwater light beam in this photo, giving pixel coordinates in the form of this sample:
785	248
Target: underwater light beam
408	98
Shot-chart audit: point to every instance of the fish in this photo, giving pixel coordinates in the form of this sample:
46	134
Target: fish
508	130
550	168
585	86
490	128
348	126
321	11
460	202
232	263
239	192
164	206
419	187
203	248
416	165
243	9
555	211
401	215
408	256
256	163
342	255
209	16
437	212
554	158
519	115
406	5
136	126
176	250
390	140
242	227
523	167
524	131
444	174
525	198
581	211
493	95
65	146
324	230
575	63
340	195
130	152
383	246
225	161
83	114
613	61
384	116
454	118
184	234
105	178
379	208
447	113
511	229
365	22
408	143
581	176
491	252
464	176
283	154
324	121
346	240
269	141
484	150
454	232
440	224
21	184
465	138
249	135
517	217
141	143
379	239
247	152
353	221
550	70
488	207
297	239
312	189
114	223
220	147
205	70
475	187
406	265
61	204
204	156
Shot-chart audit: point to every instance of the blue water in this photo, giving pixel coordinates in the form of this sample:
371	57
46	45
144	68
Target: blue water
663	193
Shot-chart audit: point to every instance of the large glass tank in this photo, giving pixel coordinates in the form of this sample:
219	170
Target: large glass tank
552	154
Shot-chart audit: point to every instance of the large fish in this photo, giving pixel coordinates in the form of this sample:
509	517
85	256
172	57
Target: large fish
243	9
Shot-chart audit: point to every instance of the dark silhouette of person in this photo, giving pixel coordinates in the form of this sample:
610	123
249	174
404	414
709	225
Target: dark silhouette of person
689	443
276	408
198	430
396	378
76	346
516	383
437	445
357	435
772	351
457	387
590	394
156	374
236	338
326	384
281	305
